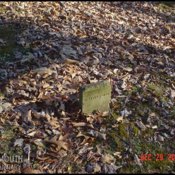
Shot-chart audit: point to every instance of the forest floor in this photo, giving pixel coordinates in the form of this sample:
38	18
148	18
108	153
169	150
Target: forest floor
48	50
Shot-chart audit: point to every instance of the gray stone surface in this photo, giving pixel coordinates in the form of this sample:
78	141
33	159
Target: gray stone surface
95	97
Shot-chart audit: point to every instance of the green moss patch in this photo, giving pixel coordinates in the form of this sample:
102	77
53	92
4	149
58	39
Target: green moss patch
7	136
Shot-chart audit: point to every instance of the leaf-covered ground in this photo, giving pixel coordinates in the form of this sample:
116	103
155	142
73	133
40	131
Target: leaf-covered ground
50	49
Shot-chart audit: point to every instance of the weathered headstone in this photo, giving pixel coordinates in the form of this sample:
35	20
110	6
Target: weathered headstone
95	97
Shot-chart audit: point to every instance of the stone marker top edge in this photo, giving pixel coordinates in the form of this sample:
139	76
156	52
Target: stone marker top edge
91	86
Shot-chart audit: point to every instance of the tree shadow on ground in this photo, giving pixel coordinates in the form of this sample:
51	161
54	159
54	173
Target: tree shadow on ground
42	47
20	54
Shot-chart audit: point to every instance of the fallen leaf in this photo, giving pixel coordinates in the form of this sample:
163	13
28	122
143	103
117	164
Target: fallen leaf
107	158
79	124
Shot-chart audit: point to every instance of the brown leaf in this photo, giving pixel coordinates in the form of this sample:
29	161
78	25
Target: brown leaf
79	124
107	158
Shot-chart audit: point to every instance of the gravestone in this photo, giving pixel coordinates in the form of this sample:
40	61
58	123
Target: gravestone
95	97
